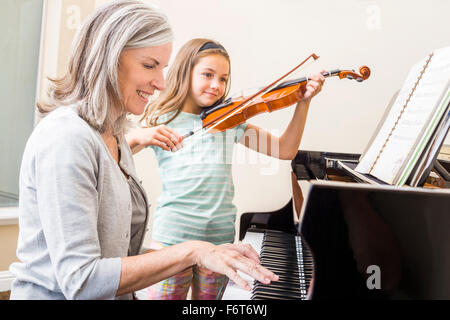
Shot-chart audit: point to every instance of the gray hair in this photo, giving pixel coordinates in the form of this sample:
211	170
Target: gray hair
91	82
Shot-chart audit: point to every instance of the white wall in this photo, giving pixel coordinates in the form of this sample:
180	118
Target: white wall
267	38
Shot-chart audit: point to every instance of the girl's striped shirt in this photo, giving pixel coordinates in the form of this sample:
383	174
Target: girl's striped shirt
197	187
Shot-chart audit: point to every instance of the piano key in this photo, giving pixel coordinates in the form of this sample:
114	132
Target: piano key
279	293
285	255
268	296
280	284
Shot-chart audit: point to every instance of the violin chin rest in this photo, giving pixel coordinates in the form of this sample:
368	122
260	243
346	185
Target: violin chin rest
208	110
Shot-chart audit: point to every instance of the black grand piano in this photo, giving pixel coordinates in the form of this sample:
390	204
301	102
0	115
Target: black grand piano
344	239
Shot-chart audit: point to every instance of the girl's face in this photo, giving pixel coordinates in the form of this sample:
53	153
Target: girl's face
208	80
140	73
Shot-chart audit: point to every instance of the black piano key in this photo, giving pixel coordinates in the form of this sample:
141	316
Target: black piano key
285	281
279	293
284	277
277	284
284	254
268	296
277	262
278	288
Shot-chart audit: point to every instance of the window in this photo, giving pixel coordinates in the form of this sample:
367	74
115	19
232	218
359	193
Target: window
20	27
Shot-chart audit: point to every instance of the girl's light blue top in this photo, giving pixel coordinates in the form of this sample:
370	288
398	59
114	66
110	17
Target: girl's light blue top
197	187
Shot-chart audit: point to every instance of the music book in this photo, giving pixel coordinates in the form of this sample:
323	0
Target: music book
409	139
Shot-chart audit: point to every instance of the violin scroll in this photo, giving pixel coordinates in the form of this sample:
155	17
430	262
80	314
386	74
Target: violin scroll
365	72
352	75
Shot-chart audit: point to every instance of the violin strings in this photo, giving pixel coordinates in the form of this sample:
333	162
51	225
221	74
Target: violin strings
203	130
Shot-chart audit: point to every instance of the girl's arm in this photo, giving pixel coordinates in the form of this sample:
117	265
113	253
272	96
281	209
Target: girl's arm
161	136
286	146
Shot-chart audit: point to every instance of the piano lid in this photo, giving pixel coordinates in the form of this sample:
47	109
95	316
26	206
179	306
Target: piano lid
353	229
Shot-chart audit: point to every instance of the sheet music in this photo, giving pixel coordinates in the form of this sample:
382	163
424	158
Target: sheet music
362	177
370	156
421	115
425	137
432	149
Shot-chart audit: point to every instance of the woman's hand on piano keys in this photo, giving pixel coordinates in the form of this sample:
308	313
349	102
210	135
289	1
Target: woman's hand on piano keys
228	258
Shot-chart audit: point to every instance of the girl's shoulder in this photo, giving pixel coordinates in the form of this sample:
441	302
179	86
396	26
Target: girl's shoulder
181	120
164	117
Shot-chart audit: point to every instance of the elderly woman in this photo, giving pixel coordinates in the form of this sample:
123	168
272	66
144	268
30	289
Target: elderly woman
83	212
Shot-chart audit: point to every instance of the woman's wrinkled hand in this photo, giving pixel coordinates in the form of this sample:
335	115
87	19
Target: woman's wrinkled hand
229	258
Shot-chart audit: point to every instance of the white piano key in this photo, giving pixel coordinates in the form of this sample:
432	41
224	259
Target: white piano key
255	239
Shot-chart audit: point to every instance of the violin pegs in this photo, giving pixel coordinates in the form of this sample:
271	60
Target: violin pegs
349	77
359	79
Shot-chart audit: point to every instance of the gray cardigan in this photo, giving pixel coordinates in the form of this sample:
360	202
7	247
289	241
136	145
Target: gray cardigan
78	214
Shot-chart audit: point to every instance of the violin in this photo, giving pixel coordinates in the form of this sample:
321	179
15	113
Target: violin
233	112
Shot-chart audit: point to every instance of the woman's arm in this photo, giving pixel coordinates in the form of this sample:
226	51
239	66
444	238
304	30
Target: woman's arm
286	146
161	136
144	270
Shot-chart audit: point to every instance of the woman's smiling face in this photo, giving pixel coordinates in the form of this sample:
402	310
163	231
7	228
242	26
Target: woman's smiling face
140	73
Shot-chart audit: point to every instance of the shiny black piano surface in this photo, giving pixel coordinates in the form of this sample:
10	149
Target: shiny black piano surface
367	241
401	231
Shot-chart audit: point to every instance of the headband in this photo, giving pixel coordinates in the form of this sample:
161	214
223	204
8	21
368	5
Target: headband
211	45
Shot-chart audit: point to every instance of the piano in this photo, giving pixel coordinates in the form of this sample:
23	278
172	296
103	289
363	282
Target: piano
338	238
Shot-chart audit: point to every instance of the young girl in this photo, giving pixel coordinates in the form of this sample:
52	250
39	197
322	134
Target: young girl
196	200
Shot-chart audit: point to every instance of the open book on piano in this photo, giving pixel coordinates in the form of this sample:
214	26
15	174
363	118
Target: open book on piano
405	147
